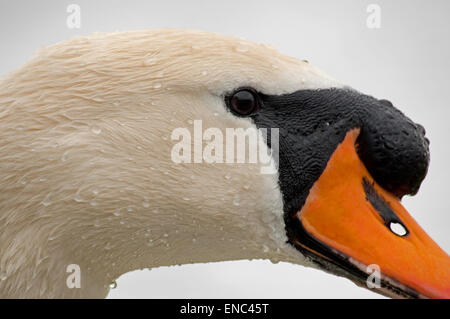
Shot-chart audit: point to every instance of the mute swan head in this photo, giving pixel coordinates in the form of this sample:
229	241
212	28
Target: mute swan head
88	175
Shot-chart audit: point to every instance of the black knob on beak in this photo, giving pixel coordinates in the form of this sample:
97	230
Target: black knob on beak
312	124
394	149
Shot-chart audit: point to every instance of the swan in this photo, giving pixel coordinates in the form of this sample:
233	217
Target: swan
87	175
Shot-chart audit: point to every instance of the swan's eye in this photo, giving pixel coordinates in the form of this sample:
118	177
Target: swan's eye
244	102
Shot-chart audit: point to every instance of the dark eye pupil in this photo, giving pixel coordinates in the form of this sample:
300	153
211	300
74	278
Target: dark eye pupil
243	102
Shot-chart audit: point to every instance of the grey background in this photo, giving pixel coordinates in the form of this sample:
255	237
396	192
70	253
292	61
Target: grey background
405	61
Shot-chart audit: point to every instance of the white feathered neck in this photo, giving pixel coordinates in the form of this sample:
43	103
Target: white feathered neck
85	170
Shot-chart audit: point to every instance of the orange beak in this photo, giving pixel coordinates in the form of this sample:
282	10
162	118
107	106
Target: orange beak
351	215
